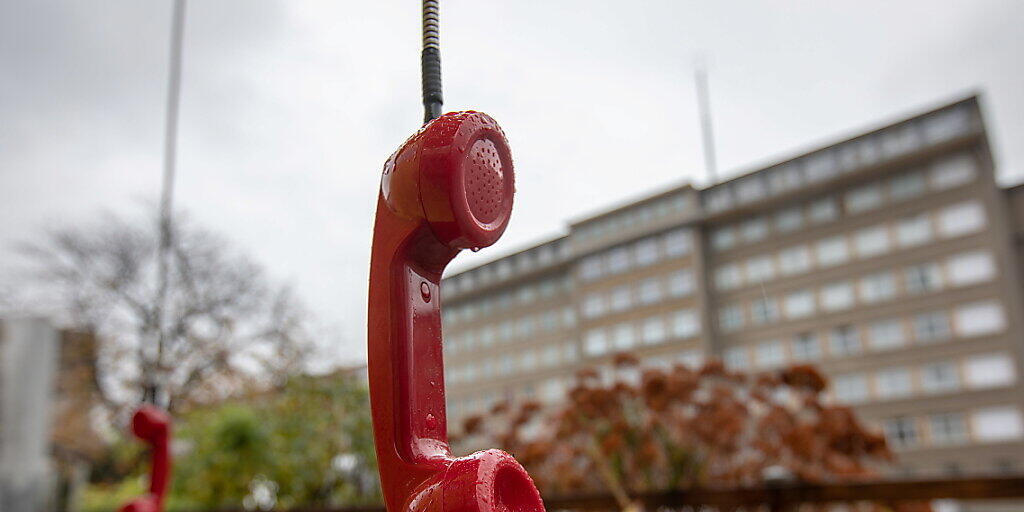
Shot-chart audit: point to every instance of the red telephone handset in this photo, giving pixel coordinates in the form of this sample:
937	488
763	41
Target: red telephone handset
152	425
448	188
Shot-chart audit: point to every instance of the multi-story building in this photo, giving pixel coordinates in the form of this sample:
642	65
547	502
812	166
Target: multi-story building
891	260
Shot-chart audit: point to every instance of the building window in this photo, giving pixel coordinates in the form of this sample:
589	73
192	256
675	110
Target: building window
899	140
947	428
529	361
770	354
552	390
877	287
832	251
872	241
650	291
690	358
868	149
525	262
906	186
569	352
525	327
764	311
847	156
971	268
923	278
679	203
914	231
526	294
548	288
851	388
506	366
887	334
591	268
837	296
805	347
488	335
823	210
723	238
864	198
893	383
685	323
1001	423
931	326
504	269
568	318
550	321
618	260
795	260
677	243
727	277
654	331
719	198
939	377
844	342
760	269
646	252
754	230
549	356
750	189
989	371
790	219
735	358
961	219
622	299
979	319
730	317
784	178
593	305
946	125
680	283
595	342
901	432
952	172
820	166
546	255
623	337
800	304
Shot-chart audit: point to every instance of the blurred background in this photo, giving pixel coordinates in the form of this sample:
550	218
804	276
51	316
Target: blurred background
797	222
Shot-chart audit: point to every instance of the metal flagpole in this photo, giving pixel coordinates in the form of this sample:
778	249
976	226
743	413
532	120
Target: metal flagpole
167	195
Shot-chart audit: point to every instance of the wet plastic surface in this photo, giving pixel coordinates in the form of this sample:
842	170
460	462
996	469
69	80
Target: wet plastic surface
449	187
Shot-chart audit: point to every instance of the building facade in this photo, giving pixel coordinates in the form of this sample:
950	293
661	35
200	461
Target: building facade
890	260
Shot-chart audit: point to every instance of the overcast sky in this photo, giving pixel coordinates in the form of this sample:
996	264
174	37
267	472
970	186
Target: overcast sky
290	107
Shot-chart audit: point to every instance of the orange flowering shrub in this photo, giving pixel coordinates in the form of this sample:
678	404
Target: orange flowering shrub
651	429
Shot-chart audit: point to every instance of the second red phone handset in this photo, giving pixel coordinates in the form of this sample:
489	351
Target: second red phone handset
152	425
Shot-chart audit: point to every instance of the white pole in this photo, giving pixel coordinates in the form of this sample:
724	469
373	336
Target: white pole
167	197
700	76
28	368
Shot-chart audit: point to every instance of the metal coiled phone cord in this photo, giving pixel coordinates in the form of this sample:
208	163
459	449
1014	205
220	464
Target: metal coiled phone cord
430	62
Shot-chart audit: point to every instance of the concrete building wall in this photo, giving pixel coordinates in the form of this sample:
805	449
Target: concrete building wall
28	366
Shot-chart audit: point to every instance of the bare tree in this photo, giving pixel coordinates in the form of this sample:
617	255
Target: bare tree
223	326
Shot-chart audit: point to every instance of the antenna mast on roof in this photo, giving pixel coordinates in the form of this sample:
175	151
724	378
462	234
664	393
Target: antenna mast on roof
700	76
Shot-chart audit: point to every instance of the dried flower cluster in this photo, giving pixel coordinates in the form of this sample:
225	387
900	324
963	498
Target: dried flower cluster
649	429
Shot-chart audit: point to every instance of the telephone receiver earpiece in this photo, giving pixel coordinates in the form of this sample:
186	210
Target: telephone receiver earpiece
448	188
152	425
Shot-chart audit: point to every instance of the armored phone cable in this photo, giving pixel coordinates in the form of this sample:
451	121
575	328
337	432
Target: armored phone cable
430	62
